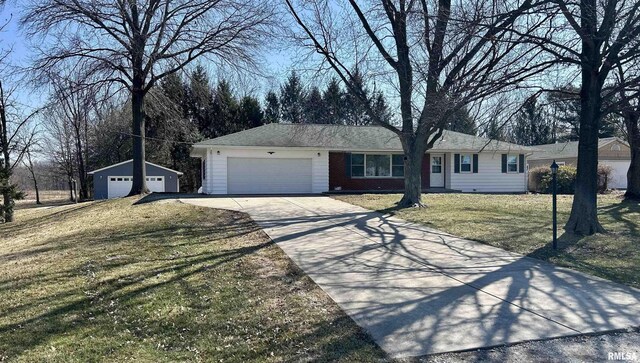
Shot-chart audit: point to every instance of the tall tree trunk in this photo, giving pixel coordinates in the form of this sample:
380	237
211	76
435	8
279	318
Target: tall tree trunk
7	204
5	172
584	211
414	154
82	174
70	182
139	185
633	175
34	178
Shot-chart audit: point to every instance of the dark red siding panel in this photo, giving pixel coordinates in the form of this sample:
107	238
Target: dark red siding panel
426	171
338	177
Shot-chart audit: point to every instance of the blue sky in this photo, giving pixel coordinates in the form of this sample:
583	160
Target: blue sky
275	65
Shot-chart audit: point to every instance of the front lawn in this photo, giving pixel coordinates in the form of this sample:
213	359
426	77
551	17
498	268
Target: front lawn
522	223
111	281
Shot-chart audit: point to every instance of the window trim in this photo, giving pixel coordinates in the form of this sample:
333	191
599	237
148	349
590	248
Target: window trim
470	164
517	171
364	165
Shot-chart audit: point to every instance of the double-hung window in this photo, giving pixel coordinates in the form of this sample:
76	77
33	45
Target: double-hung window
397	165
377	165
465	163
512	163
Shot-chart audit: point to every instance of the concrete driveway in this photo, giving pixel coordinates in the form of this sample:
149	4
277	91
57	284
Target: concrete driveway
419	291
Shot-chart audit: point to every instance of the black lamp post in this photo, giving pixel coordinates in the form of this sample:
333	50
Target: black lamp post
554	186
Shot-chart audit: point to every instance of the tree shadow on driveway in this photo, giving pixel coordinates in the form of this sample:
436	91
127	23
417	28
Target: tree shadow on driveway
420	291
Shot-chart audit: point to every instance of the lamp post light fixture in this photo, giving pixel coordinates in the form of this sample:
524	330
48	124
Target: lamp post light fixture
554	190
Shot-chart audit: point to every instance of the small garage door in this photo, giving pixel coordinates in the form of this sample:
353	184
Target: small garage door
268	176
120	186
619	173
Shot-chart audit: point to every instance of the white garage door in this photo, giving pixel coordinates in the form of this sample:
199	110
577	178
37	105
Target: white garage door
120	186
268	176
619	174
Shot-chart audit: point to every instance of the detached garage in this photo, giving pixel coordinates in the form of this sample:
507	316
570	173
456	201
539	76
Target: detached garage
115	181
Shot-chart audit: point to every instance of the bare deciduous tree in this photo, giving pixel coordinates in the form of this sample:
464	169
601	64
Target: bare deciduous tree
78	104
433	57
137	43
31	167
15	140
60	147
594	36
628	106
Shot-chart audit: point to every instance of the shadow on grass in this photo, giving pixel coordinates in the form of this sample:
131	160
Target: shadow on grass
207	266
620	212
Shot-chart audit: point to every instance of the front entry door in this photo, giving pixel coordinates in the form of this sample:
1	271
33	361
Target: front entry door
437	171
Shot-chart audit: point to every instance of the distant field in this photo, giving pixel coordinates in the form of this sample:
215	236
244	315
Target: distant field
46	196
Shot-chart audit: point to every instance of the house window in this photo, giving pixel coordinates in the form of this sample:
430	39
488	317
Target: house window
357	165
377	165
397	166
512	163
436	164
465	163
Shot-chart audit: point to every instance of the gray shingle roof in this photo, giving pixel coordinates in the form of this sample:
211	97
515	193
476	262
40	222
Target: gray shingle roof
563	150
346	138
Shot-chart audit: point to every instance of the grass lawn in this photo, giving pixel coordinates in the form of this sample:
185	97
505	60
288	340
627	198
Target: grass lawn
110	281
522	223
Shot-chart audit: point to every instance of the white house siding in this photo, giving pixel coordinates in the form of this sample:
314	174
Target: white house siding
619	173
448	169
216	182
489	177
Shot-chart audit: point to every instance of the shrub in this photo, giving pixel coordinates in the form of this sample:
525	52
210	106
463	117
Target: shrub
604	176
540	179
535	178
566	180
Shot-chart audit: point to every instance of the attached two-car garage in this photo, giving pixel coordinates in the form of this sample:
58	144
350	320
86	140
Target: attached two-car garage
258	171
269	175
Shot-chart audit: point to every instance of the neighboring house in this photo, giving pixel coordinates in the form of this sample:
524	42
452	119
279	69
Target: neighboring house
115	181
288	158
612	151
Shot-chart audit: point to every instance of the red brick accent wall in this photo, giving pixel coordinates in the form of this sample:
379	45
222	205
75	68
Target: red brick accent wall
338	177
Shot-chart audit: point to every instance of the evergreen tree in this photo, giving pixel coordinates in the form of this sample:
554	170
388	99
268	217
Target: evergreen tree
292	97
250	115
531	127
461	121
314	109
565	114
199	100
381	108
333	99
224	111
355	107
271	108
494	131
